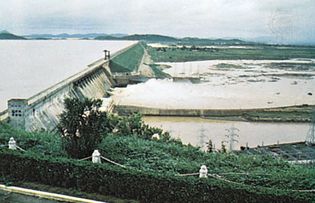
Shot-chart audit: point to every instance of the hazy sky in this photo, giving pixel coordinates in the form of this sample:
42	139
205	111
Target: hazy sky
281	20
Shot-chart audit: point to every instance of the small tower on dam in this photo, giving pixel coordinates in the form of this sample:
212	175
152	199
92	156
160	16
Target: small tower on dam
17	111
107	54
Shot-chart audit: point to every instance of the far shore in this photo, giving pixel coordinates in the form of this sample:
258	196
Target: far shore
301	113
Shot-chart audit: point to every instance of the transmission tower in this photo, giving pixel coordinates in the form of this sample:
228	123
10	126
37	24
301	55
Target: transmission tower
232	137
310	138
202	137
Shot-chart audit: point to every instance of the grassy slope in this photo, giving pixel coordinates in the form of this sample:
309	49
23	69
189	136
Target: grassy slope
158	71
285	114
41	142
128	61
281	114
175	158
255	53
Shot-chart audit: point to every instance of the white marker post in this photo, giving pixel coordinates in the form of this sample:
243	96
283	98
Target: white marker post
156	136
203	172
96	156
12	144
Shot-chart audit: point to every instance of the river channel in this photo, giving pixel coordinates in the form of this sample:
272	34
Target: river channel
198	131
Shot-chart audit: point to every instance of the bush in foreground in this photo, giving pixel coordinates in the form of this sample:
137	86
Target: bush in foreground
82	126
128	183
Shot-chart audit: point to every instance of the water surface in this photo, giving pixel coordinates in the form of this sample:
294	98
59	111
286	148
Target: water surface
198	131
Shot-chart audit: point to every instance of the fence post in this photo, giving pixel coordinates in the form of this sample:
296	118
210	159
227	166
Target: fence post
155	136
12	144
203	172
96	156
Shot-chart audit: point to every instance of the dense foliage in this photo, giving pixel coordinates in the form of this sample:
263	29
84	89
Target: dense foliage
175	158
152	166
129	183
133	125
82	126
38	142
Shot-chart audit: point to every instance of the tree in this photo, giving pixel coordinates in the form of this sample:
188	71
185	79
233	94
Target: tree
82	126
223	147
210	146
133	125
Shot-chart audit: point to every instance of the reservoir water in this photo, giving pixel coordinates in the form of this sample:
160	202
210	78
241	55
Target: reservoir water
198	131
30	66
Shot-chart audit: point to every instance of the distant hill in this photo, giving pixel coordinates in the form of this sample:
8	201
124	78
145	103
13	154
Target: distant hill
66	35
151	38
202	41
5	35
167	39
108	37
148	38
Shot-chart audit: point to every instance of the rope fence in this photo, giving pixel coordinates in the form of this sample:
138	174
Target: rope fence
113	162
203	172
217	176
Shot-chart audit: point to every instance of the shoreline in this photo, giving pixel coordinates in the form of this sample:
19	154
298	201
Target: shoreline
301	113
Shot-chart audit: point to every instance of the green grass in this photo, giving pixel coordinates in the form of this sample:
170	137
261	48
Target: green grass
173	158
158	71
284	114
129	60
38	142
256	52
292	67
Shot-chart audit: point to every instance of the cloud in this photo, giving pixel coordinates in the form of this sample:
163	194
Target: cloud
205	18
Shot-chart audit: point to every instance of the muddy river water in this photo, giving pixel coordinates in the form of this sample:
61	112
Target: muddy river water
198	131
227	84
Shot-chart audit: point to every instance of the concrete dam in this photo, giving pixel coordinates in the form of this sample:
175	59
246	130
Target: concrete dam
41	111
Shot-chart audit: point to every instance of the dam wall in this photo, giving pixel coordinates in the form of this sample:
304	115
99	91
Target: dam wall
41	111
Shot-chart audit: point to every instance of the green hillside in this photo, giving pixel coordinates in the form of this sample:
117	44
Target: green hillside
154	166
6	35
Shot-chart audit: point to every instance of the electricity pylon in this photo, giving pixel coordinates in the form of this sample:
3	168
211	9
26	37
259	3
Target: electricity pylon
202	137
310	138
232	135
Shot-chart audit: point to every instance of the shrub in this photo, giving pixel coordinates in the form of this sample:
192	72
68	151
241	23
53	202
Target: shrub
39	142
127	183
133	125
82	126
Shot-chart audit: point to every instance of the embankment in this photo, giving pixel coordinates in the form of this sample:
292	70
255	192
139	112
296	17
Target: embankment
280	114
